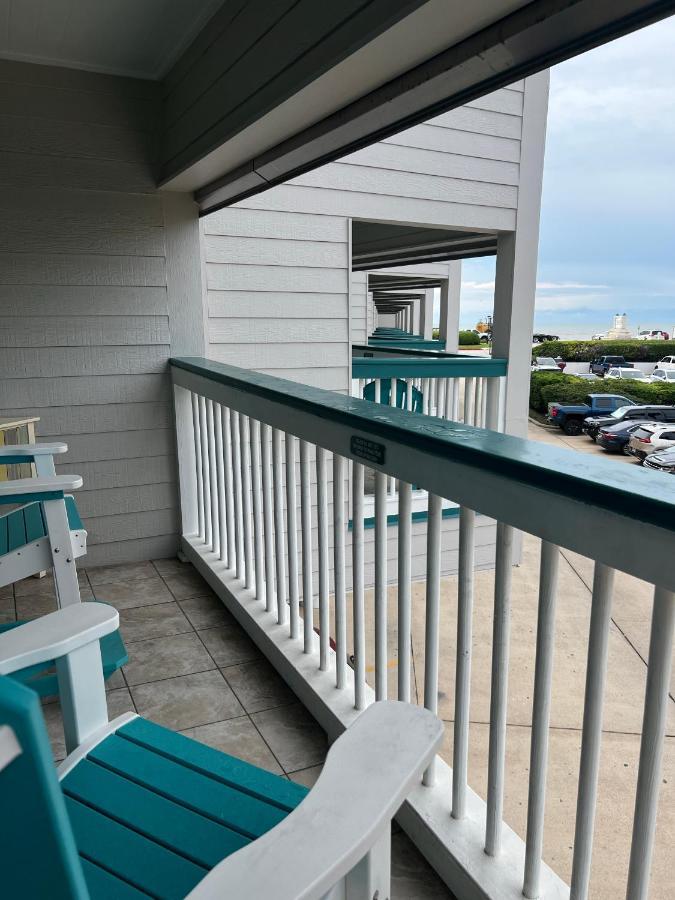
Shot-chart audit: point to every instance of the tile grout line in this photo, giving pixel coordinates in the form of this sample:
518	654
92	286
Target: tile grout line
248	715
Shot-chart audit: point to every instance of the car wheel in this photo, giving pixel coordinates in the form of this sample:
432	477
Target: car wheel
572	427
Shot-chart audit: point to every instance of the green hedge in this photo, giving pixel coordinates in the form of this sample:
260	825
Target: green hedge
468	338
547	387
585	351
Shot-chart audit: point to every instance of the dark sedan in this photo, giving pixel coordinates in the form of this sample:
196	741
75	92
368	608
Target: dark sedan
614	438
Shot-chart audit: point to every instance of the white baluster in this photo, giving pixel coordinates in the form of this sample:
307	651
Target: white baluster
404	585
268	515
221	549
501	627
469	391
433	609
339	569
206	476
279	549
450	392
322	521
358	609
230	526
541	712
409	394
245	461
651	744
292	536
477	401
236	484
460	750
492	403
306	531
596	670
213	478
258	553
380	586
196	425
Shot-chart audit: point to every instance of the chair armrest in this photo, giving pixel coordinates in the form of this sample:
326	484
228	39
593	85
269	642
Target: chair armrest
55	635
25	490
369	771
32	450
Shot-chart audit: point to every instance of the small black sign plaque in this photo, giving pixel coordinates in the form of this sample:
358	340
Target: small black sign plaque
371	451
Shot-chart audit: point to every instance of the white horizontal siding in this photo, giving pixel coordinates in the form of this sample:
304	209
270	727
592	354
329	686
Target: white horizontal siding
385	207
85	332
278	293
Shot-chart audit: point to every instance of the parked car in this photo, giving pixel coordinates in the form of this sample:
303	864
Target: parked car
614	438
602	364
570	417
654	335
668	362
628	375
598	337
663	375
661	461
651	437
587	376
547	364
656	414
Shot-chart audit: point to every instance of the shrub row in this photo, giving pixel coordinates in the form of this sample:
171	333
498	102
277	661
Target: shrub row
547	387
468	338
585	351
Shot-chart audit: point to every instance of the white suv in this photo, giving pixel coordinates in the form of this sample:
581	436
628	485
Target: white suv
649	438
627	375
668	362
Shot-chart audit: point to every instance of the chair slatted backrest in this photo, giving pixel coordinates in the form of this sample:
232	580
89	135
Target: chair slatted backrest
38	856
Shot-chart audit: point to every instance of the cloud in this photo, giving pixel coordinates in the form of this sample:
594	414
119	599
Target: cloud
483	286
569	286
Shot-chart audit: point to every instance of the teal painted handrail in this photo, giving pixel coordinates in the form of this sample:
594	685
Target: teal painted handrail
427	367
413	343
434	446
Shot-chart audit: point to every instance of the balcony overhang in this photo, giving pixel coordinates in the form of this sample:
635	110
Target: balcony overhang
254	93
379	245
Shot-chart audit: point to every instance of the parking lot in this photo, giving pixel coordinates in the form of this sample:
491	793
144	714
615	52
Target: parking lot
548	434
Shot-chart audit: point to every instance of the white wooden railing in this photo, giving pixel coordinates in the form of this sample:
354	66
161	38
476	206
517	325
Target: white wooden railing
238	434
467	389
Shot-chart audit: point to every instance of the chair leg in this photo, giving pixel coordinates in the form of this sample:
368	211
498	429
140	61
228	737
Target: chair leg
82	694
63	556
371	878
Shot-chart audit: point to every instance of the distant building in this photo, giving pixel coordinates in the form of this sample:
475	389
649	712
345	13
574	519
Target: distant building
619	330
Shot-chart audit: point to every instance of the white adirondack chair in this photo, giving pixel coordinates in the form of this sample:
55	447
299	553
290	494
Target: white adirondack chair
139	810
44	531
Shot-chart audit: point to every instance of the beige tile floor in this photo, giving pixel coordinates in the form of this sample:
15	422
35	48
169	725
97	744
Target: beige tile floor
193	669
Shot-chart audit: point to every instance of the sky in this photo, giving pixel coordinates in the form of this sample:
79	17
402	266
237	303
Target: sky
607	240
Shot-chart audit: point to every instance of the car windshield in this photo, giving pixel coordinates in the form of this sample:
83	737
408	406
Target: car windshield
622	410
669	375
546	361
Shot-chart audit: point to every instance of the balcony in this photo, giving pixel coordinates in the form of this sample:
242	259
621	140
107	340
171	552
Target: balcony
269	520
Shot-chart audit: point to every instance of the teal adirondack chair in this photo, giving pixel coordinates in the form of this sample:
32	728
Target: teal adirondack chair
137	811
401	394
43	532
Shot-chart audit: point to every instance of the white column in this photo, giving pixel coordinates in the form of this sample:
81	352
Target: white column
417	314
426	314
449	321
516	272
